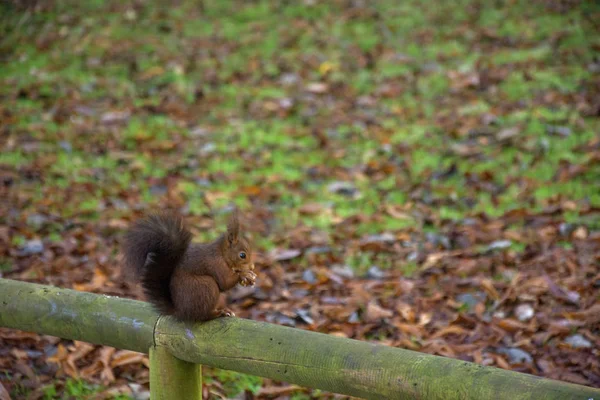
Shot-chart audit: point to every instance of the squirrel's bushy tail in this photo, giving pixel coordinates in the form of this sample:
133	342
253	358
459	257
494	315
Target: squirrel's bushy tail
152	248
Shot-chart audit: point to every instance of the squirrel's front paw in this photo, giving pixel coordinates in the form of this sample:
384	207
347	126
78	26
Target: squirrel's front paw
247	278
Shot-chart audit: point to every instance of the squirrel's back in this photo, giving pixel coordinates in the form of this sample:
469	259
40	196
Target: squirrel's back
152	249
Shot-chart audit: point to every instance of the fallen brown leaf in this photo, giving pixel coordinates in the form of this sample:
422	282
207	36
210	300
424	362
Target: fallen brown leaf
512	325
125	357
375	313
449	330
4	393
489	288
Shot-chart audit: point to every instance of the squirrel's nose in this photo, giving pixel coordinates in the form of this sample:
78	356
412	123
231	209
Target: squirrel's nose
252	267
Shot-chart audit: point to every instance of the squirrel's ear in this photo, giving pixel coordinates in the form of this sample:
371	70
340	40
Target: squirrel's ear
233	228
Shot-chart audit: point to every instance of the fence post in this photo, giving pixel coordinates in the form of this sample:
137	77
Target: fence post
172	378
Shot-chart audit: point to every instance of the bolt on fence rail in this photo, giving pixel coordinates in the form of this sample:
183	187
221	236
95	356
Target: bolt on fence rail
306	358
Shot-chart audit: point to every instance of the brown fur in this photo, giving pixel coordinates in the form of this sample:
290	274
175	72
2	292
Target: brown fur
183	279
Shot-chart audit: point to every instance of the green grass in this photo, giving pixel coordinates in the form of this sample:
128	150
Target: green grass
73	389
119	65
247	74
233	383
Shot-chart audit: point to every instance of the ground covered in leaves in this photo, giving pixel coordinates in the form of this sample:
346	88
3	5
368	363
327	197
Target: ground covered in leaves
425	176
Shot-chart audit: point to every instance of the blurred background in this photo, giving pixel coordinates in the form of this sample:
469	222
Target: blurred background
421	174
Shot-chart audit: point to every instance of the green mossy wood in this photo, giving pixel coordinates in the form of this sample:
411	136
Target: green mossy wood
293	355
172	378
69	314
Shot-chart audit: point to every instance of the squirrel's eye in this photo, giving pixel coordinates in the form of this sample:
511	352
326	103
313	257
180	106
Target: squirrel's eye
242	255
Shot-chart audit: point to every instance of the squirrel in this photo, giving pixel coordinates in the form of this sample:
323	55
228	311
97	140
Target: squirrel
181	278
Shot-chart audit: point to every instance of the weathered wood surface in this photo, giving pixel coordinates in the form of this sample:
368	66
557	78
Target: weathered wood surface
297	356
69	314
172	378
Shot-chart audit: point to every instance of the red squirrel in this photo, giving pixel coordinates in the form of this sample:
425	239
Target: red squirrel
186	279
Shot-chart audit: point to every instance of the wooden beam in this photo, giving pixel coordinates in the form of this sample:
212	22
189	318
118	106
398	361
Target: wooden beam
297	356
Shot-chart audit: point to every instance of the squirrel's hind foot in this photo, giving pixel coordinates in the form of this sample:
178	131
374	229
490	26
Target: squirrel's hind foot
225	312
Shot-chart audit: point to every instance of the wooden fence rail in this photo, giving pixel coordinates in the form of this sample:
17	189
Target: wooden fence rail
306	358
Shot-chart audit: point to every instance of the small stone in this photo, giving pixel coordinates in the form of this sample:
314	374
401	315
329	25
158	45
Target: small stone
382	238
317	87
386	148
353	319
119	204
158	190
566	229
318	250
500	245
431	67
200	131
143	395
299	294
309	276
515	355
342	270
488	119
366	101
138	392
289	79
304	316
578	341
30	147
524	312
336	279
85	111
343	188
402	58
572	296
280	319
34	353
36	220
66	146
115	117
563	131
260	294
135	387
470	299
438	240
332	133
412	256
285	254
285	320
332	300
509	274
375	273
33	247
202	182
467	299
208	148
286	103
507	134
